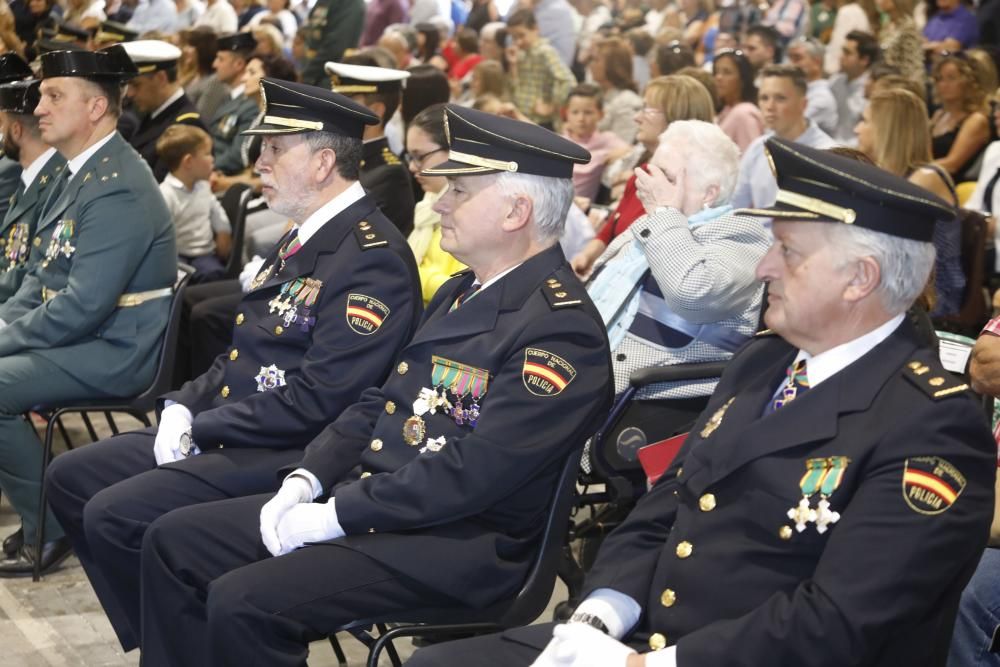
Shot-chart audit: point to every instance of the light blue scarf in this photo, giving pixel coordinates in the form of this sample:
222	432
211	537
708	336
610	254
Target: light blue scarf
616	289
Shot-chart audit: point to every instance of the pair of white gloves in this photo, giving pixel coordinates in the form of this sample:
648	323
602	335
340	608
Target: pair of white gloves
290	519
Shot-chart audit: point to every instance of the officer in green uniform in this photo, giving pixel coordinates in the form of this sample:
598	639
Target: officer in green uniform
39	166
238	112
383	174
12	68
158	97
88	319
333	27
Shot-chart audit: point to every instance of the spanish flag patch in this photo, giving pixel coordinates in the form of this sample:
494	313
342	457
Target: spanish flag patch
365	314
931	485
544	373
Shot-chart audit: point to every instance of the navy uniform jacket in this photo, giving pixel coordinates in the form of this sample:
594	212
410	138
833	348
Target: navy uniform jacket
387	180
718	565
106	235
180	111
234	116
18	226
10	180
325	365
460	509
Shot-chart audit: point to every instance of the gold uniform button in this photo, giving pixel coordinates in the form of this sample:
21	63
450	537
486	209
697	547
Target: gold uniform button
657	642
234	355
278	330
402	368
936	382
239	319
390	407
560	295
225	391
684	549
785	532
668	598
37	242
376	445
707	502
365	475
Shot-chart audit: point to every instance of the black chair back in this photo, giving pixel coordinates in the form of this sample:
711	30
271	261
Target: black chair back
234	203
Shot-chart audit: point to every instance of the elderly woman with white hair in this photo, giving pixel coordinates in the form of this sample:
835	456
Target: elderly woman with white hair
678	285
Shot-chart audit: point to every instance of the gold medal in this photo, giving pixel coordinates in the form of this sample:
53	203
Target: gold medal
414	430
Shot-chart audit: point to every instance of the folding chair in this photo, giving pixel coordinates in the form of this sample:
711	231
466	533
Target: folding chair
235	202
137	407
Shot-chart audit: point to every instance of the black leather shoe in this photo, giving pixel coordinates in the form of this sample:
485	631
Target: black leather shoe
23	564
12	544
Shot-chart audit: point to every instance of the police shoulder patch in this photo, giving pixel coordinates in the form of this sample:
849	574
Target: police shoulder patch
931	378
545	373
368	237
365	314
930	484
560	295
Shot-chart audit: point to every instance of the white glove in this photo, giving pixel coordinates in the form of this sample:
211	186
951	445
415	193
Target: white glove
174	421
581	645
308	522
250	270
293	491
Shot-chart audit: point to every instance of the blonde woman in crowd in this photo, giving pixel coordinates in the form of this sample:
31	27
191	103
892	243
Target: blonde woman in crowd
893	132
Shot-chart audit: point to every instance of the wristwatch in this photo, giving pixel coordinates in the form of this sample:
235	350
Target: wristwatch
589	619
186	444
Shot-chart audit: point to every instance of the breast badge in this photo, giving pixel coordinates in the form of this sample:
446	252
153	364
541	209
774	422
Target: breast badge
365	314
60	242
270	377
931	485
17	247
822	476
544	373
462	386
261	277
716	419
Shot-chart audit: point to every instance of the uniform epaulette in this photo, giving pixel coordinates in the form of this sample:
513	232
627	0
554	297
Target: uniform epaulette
389	157
104	172
932	378
368	237
191	115
765	332
559	296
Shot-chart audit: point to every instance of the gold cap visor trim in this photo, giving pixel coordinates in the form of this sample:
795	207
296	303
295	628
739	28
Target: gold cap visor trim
352	90
485	162
296	123
845	215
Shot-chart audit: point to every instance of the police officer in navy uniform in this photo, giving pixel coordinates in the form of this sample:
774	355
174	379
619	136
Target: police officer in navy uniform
458	451
39	165
87	321
832	501
12	68
382	172
323	321
158	97
238	112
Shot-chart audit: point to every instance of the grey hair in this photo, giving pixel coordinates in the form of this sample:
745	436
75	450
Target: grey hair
813	47
349	151
489	30
551	198
710	156
905	264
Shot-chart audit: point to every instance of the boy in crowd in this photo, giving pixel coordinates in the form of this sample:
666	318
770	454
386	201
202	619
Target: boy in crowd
203	232
583	112
538	77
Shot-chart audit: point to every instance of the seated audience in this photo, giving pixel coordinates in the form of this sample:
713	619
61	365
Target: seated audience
782	99
540	81
807	54
583	114
611	69
900	40
835	448
678	285
739	118
960	127
667	99
893	132
426	148
238	112
856	56
204	237
852	16
951	26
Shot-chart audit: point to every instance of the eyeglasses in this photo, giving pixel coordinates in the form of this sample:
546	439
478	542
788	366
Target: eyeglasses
650	111
418	159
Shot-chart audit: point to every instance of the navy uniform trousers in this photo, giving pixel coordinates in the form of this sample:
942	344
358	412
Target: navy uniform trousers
449	504
263	400
897	447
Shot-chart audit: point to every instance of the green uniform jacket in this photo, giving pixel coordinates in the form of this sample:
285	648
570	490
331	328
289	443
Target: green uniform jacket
18	226
234	116
333	27
107	234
